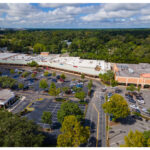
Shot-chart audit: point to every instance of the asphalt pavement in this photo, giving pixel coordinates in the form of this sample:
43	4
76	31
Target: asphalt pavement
95	118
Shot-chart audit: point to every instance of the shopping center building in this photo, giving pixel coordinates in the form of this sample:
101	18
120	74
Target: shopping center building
137	74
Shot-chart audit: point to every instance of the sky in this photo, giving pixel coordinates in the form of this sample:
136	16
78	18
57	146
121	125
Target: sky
75	15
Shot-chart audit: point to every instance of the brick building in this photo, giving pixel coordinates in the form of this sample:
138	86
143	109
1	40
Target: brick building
138	74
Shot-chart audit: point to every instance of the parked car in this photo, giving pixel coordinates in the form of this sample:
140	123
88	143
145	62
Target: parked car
79	86
128	96
141	101
137	117
58	76
102	97
132	101
134	107
118	91
61	80
145	110
54	80
104	89
109	95
139	98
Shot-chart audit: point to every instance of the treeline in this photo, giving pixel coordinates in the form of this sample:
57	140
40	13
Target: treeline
113	45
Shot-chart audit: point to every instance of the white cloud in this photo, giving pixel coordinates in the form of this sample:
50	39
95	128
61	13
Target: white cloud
102	15
109	11
54	5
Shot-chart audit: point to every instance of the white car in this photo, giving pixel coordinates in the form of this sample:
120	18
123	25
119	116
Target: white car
141	101
144	110
134	106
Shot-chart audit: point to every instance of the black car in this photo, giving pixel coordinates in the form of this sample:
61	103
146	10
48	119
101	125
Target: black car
139	98
132	101
26	88
137	117
128	96
58	76
118	91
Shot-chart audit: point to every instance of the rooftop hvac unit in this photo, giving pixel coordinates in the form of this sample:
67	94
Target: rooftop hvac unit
130	70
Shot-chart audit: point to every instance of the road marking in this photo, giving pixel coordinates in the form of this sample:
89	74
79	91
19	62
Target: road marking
97	125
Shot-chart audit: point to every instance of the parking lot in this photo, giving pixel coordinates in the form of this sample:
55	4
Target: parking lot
119	130
34	92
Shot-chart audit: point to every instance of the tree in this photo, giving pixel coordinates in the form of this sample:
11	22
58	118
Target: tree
138	88
131	88
73	134
7	82
18	132
82	76
54	74
25	74
46	73
67	109
134	139
20	85
80	95
62	76
12	71
38	47
116	106
65	89
107	77
32	64
47	118
53	91
33	75
90	84
43	84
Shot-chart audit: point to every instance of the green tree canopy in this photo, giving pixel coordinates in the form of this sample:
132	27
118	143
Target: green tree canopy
7	82
46	73
82	76
117	106
33	64
90	84
54	74
12	71
137	139
33	75
69	108
107	77
20	85
18	132
131	88
53	91
43	84
25	74
63	76
47	117
80	95
73	134
38	47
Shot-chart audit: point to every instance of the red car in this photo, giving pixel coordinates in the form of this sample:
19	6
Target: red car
61	80
75	66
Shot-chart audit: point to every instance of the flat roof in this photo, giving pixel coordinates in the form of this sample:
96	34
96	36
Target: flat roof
5	96
66	63
132	70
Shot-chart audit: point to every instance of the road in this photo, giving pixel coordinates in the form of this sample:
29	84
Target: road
95	118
